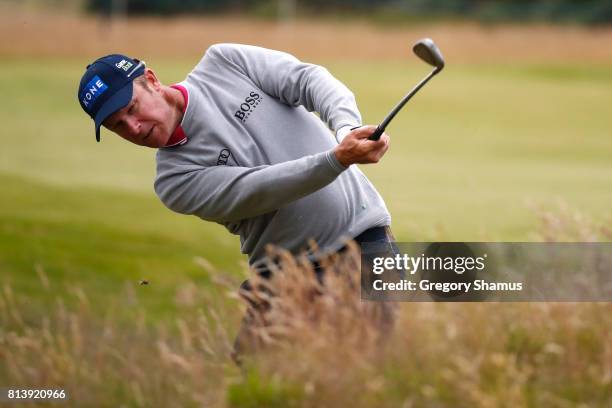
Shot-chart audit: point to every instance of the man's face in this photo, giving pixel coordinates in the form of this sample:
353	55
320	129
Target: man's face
147	120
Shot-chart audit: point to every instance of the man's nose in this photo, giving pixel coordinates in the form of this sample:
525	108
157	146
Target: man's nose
134	126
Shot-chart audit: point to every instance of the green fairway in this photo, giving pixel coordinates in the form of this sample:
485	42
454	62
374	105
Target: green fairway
479	144
470	156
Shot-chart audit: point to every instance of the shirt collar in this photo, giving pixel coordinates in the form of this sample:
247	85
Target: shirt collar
179	137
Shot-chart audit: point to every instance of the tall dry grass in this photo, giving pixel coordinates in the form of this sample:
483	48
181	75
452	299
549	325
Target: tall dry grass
112	361
320	346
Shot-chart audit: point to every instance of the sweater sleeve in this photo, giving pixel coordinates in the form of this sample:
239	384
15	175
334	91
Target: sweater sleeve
293	82
229	194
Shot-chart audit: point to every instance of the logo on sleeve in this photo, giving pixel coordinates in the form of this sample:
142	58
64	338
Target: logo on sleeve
92	91
248	106
224	156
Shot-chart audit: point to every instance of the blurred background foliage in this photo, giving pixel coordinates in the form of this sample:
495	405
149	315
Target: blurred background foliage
560	11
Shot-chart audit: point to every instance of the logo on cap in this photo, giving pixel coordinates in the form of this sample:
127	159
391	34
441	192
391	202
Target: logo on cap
124	65
92	91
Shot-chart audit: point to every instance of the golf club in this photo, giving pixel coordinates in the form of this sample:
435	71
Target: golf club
426	50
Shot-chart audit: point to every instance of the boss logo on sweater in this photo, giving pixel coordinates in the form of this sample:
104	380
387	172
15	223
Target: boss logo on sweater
248	106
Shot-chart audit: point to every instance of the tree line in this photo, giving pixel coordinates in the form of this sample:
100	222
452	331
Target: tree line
560	11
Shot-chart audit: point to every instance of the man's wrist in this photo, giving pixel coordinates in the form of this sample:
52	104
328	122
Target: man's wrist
336	155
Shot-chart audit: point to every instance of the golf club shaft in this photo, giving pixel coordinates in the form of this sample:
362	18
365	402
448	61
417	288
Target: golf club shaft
381	128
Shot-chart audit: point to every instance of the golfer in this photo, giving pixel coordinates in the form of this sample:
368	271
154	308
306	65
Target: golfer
238	144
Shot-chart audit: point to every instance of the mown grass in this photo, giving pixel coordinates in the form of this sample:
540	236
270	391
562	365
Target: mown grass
102	241
479	137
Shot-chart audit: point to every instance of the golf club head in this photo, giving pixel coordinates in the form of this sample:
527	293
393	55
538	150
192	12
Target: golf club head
427	50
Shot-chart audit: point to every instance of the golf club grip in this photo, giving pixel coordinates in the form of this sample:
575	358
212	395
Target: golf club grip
377	133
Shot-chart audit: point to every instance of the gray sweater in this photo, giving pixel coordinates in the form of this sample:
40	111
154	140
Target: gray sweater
259	162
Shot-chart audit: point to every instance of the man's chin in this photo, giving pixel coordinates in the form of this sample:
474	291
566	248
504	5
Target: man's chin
159	142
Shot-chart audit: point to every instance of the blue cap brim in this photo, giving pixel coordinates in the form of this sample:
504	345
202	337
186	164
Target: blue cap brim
118	101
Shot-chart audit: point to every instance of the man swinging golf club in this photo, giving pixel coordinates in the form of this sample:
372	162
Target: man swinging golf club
238	145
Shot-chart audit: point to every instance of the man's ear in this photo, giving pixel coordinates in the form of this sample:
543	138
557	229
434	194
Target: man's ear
152	80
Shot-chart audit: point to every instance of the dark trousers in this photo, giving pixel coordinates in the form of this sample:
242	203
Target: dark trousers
381	235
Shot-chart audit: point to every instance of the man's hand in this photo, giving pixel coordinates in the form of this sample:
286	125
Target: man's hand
357	149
